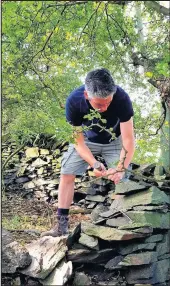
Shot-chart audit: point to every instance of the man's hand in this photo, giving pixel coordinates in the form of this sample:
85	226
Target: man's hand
100	173
115	175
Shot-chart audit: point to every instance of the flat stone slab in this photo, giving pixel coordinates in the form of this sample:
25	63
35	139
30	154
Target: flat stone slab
29	185
124	250
146	230
95	214
60	275
45	252
154	273
39	163
117	222
154	238
89	241
90	256
108	213
39	182
163	247
134	225
21	180
92	205
139	258
107	233
157	220
113	263
152	196
97	198
138	227
44	152
32	152
162	208
128	187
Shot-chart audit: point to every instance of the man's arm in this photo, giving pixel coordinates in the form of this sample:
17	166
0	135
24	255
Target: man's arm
85	152
127	152
128	142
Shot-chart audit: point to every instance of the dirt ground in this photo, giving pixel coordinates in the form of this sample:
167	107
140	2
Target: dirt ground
21	215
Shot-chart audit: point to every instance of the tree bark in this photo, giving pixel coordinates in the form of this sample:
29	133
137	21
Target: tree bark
165	142
157	7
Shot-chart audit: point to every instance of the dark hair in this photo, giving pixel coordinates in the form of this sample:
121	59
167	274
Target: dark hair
99	83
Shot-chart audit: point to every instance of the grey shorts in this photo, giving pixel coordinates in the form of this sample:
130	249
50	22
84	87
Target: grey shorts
73	163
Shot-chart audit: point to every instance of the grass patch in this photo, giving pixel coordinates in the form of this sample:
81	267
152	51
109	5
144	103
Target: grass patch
26	222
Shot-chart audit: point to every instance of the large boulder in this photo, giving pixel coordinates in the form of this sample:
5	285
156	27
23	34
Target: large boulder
46	252
60	275
14	256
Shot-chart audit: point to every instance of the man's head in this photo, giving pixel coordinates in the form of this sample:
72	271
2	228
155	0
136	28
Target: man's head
99	89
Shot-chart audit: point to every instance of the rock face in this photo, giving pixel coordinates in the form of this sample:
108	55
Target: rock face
13	256
60	275
156	273
136	226
46	253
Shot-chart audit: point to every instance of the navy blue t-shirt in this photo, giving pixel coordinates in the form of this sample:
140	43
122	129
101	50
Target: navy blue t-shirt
120	110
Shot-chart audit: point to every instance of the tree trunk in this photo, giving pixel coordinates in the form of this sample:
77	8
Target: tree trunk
165	142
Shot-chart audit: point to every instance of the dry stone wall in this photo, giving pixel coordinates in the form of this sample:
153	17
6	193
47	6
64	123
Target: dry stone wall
132	236
127	240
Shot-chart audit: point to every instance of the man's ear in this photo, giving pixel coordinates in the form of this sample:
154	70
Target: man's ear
85	94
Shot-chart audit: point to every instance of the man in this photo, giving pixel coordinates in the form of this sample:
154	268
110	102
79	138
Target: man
114	105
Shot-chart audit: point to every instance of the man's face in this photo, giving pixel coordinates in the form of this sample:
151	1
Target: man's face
100	104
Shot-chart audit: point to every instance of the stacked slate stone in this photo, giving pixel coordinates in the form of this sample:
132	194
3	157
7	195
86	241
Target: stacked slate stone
10	173
37	174
7	150
130	237
95	194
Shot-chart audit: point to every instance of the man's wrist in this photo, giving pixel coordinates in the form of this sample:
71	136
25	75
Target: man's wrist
97	165
120	167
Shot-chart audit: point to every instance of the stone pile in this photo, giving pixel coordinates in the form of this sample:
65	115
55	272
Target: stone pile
127	240
126	243
7	150
100	191
37	174
42	262
131	236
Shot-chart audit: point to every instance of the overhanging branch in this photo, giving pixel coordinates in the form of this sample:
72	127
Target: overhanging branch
157	7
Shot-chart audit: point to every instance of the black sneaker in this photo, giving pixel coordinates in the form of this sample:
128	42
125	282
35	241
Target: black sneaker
60	229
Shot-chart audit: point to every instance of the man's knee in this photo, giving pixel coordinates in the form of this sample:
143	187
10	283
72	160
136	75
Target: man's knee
69	178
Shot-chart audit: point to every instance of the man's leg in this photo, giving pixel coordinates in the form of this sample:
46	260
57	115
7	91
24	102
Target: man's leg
65	198
72	164
66	191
